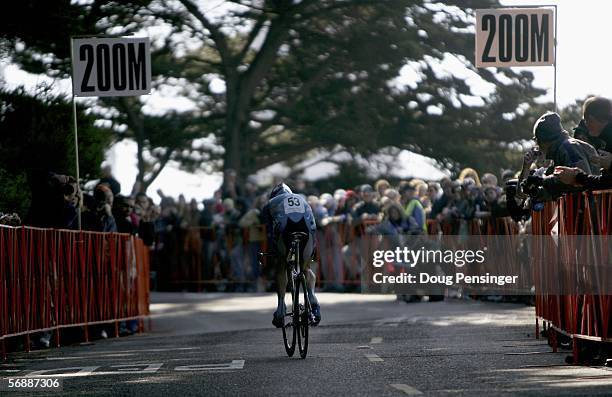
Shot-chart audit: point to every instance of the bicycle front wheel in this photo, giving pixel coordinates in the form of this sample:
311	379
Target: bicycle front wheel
290	326
304	316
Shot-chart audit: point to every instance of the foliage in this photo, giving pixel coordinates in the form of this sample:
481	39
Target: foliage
310	75
37	133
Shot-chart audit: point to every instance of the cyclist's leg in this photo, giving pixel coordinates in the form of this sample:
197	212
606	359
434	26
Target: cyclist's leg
281	287
311	278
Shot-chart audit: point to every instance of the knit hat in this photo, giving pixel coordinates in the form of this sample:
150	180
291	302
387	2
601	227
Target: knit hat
548	127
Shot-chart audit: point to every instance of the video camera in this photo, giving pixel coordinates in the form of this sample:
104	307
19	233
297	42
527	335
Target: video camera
520	207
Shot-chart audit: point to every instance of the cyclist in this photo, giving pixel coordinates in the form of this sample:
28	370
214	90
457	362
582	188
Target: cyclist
285	213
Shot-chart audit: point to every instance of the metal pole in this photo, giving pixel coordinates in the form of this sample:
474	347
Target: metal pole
76	141
555	63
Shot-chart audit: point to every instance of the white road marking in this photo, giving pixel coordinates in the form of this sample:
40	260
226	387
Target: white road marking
82	371
364	347
376	339
235	364
390	322
130	368
374	358
409	390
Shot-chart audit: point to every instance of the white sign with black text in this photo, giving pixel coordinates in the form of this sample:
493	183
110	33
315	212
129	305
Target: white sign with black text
515	37
111	66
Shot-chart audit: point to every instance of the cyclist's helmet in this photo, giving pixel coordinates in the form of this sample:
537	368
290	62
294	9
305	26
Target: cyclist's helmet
279	189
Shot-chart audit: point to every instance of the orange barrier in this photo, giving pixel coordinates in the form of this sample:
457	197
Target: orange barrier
581	317
226	257
229	255
54	279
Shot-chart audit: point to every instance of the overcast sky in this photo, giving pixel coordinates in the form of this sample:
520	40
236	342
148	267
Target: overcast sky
583	69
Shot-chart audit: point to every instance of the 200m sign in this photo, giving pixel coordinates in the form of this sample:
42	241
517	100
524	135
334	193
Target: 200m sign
514	37
111	66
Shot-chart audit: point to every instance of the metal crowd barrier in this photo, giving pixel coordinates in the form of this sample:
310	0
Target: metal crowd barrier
224	258
51	280
581	316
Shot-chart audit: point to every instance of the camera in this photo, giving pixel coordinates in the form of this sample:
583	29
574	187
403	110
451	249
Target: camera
532	184
67	189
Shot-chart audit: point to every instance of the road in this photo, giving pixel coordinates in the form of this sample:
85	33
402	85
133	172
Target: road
224	344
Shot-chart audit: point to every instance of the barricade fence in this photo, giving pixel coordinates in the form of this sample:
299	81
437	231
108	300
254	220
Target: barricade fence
226	258
56	279
581	317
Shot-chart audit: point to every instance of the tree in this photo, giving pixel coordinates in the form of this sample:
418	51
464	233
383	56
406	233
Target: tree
37	37
309	75
318	75
36	134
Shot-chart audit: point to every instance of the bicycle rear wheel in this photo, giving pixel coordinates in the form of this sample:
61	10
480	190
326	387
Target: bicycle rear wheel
290	327
304	305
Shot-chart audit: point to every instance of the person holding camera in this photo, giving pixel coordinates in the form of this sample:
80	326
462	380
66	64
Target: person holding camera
98	216
55	200
555	144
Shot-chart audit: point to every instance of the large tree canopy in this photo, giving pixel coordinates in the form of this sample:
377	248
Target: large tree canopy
275	80
36	134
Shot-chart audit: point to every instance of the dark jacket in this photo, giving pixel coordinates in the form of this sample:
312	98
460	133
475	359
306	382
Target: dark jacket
568	152
595	182
606	137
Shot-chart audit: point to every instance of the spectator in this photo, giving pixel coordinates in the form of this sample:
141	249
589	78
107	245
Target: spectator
597	114
339	195
469	173
413	209
251	220
99	216
55	200
443	200
507	175
489	179
393	195
557	146
231	188
394	221
366	209
122	211
380	186
109	179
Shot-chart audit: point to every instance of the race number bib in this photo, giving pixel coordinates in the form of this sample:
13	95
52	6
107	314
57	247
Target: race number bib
294	205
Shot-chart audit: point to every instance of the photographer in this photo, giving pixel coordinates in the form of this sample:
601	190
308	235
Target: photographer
55	200
556	145
98	216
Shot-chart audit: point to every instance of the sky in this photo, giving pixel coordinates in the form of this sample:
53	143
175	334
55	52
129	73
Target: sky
582	70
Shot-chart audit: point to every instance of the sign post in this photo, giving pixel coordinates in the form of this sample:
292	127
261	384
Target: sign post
104	67
517	36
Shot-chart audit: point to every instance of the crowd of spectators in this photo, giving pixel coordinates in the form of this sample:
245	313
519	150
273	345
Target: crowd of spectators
214	244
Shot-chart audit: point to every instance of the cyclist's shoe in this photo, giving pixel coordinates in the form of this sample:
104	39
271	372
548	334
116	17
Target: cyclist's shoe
316	314
278	319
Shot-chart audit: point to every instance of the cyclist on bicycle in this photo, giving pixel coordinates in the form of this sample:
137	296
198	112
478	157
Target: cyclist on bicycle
284	214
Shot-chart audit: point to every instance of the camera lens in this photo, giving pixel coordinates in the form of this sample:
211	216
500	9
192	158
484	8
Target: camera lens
68	189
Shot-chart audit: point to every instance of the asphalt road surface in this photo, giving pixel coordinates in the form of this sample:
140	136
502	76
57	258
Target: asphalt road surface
224	344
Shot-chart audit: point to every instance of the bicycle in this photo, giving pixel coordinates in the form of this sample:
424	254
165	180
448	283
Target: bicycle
300	316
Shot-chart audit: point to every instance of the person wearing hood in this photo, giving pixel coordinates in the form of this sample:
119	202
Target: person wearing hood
556	145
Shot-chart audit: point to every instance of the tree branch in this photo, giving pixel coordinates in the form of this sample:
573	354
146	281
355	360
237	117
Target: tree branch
285	154
218	37
162	163
252	35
